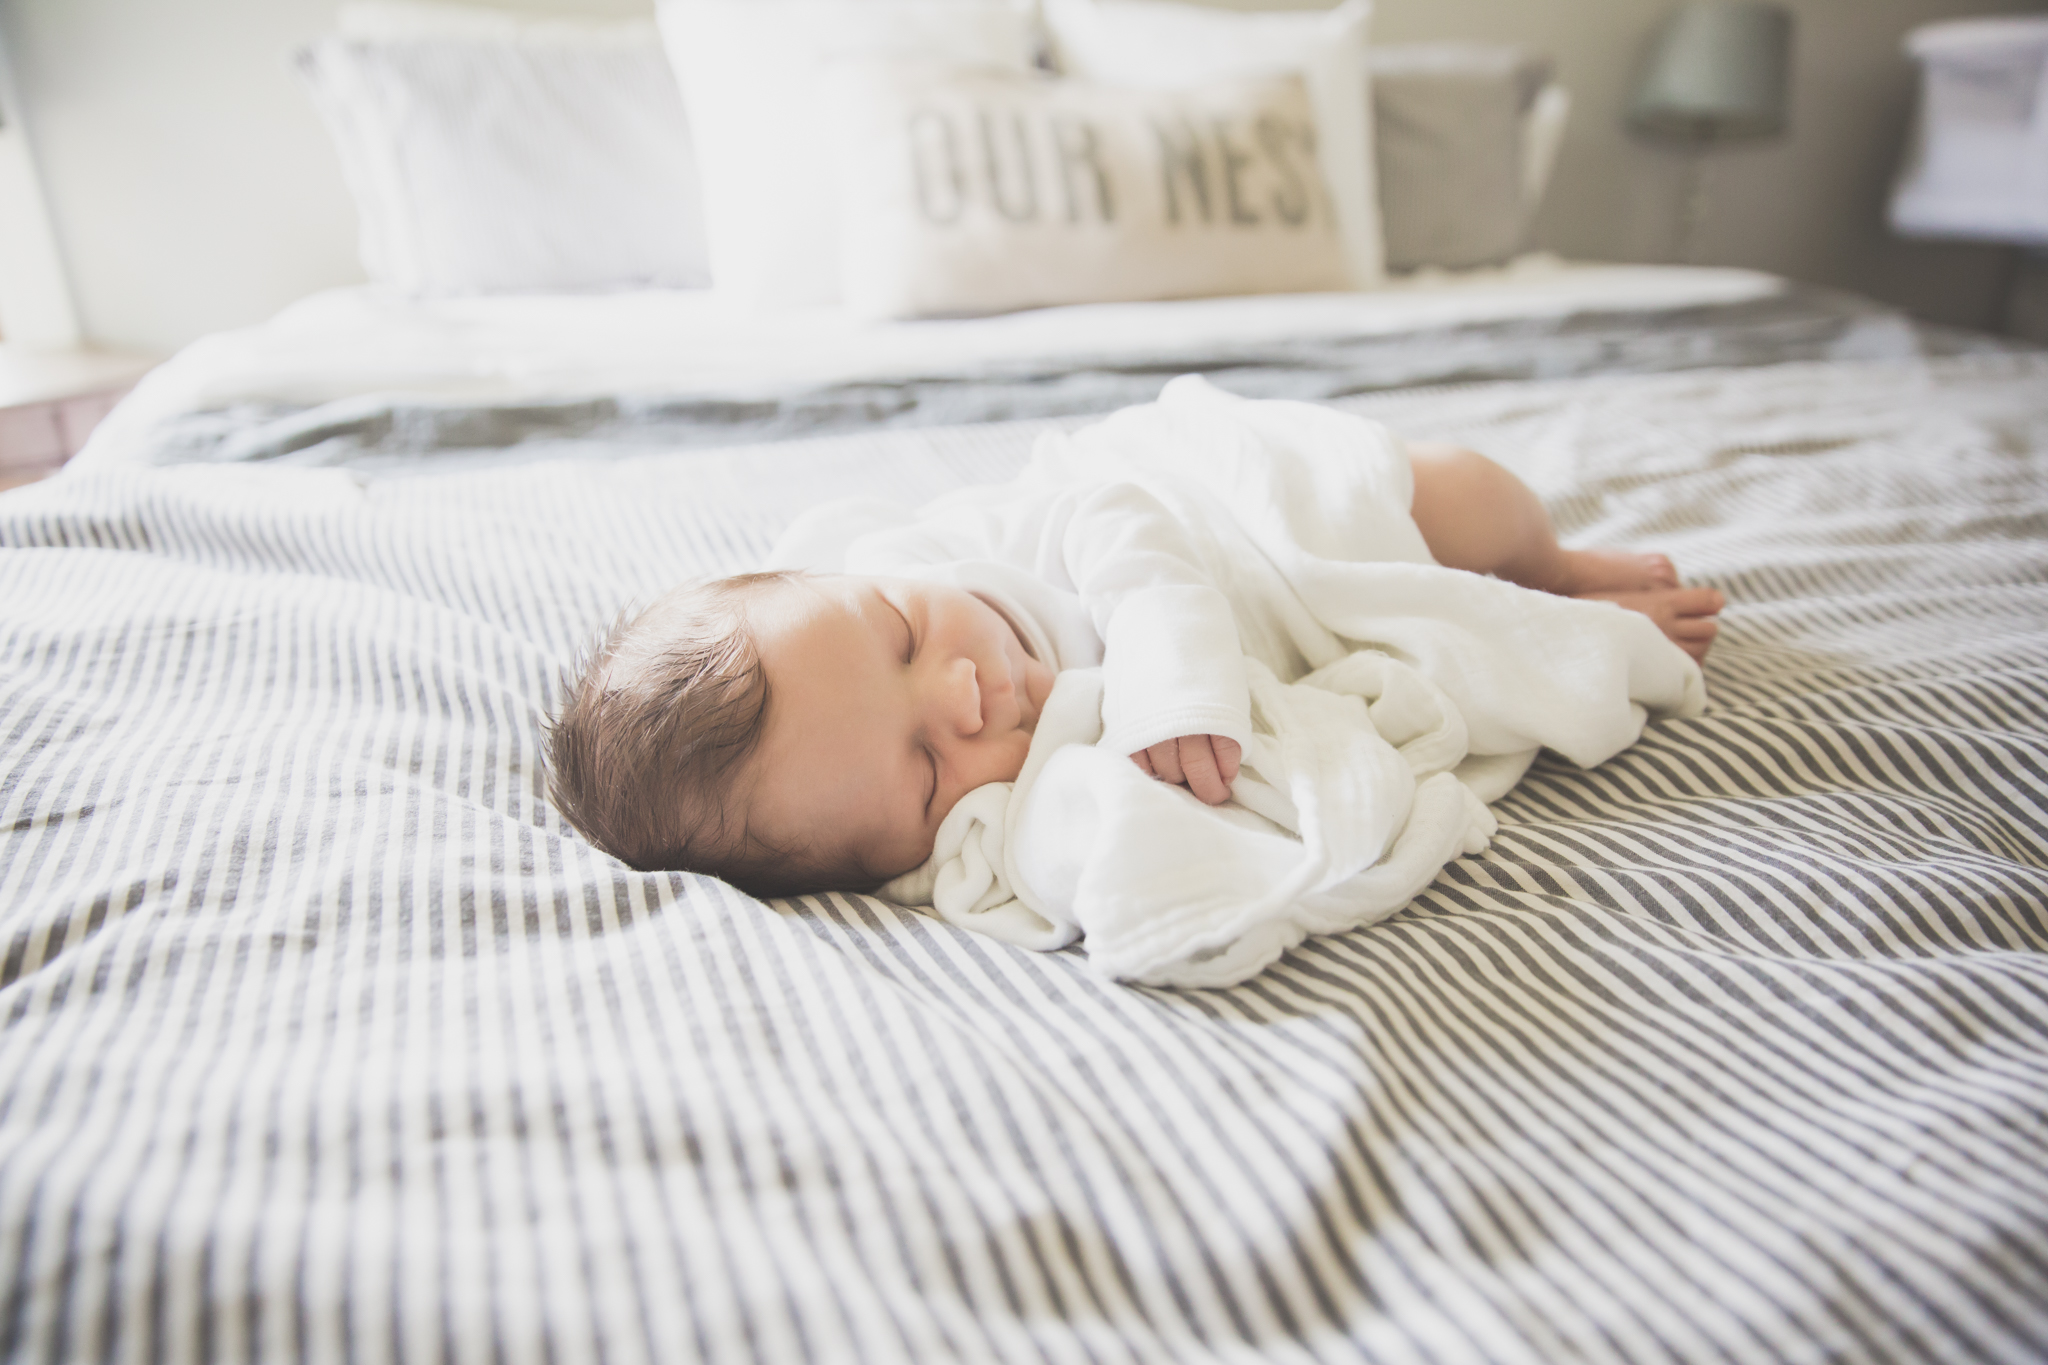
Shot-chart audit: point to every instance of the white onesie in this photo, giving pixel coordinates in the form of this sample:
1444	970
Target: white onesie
1212	565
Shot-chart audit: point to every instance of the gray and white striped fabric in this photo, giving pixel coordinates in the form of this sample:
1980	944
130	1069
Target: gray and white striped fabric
321	1038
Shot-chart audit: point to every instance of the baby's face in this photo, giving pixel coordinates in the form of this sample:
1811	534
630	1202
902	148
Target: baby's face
888	701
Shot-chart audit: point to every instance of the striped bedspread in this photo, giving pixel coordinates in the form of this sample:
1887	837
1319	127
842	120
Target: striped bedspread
321	1038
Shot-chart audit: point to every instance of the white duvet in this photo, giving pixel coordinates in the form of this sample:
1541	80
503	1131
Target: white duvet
1434	690
346	343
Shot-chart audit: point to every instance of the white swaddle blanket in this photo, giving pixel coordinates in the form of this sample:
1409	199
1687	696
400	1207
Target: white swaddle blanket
1429	692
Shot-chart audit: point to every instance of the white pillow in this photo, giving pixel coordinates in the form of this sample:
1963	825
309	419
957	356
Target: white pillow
981	191
557	157
1158	45
750	72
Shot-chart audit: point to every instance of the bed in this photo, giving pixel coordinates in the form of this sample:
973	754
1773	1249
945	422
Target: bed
322	1036
326	1038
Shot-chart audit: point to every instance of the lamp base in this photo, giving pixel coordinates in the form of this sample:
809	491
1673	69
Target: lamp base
2026	298
1692	203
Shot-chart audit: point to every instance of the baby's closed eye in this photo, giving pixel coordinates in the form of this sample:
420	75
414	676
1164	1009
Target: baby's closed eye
909	634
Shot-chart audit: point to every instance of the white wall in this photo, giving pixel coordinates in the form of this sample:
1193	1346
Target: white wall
191	187
186	176
1810	206
35	303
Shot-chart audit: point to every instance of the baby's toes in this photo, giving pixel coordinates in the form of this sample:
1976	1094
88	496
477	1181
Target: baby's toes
1693	634
1697	602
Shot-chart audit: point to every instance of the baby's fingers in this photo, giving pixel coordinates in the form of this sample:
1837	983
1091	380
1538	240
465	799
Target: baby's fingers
1229	755
1205	764
1201	763
1166	765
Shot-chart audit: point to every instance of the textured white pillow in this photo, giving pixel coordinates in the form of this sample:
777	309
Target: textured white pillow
1162	45
555	157
979	191
751	71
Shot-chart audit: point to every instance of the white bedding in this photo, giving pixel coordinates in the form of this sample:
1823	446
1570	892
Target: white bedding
360	342
1388	674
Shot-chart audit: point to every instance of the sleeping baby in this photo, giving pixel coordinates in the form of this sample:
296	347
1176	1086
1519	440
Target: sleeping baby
1204	561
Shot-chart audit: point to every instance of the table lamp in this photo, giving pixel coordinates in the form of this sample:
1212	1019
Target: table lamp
1718	73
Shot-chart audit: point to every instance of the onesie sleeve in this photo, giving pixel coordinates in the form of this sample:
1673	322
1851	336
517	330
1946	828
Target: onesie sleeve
1172	661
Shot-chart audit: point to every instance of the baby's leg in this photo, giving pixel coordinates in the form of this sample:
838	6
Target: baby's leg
1476	516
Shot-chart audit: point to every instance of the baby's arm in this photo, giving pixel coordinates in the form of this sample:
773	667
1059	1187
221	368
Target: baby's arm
1175	696
1205	764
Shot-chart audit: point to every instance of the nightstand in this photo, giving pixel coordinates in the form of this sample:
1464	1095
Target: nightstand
51	400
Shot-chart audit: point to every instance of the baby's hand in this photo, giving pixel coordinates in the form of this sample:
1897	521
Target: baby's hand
1205	764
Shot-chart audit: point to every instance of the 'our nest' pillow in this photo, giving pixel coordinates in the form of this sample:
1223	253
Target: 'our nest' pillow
1159	45
972	191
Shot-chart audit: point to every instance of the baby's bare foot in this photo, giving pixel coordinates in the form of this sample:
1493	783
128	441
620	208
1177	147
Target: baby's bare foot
1586	572
1686	615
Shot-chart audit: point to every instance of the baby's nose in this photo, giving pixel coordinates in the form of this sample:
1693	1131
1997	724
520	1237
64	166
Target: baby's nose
960	697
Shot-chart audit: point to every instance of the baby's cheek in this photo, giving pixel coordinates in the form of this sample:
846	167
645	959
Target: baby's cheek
1014	763
996	761
1038	681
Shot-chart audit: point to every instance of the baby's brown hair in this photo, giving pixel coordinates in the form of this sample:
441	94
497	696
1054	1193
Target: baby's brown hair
654	729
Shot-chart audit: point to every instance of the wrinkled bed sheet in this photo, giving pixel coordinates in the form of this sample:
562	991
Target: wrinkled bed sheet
321	1036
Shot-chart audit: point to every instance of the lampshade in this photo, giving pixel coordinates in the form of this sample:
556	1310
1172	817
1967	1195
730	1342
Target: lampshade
1718	73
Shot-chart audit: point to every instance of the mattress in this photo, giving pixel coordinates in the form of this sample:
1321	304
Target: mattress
322	1037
